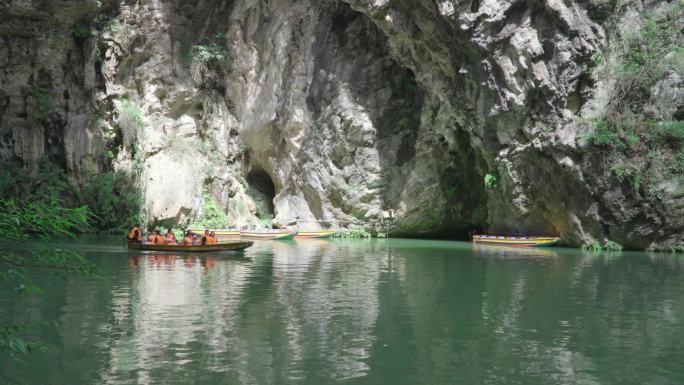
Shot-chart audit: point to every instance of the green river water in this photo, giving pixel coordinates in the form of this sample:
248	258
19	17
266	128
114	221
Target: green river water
360	312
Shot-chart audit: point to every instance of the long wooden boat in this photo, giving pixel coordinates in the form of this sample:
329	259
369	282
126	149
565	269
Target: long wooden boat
222	233
516	241
268	235
225	246
315	234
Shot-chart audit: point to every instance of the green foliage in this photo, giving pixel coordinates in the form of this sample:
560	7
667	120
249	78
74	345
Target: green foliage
113	198
639	150
208	53
677	248
352	234
244	149
595	246
603	135
43	101
490	180
80	31
114	201
131	114
673	131
213	216
612	246
21	221
46	184
646	55
410	86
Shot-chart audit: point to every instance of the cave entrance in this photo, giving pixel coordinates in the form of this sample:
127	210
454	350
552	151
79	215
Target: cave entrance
260	187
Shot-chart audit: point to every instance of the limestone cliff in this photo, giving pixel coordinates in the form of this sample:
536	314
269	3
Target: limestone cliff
325	113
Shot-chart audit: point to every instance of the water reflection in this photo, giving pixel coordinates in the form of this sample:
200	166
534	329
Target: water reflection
512	252
371	312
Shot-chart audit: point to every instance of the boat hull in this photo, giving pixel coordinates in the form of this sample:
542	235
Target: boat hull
257	236
516	241
227	246
315	234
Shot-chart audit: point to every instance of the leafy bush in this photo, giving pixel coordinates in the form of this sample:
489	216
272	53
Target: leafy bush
213	216
130	115
638	149
114	200
608	245
45	184
490	180
612	246
593	246
208	53
21	221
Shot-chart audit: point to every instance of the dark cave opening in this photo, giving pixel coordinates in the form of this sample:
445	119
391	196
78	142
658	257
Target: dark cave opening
261	189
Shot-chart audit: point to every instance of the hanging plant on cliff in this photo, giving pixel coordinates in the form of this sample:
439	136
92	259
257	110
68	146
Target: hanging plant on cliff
208	64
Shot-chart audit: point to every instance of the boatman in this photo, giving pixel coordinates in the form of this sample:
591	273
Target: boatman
135	236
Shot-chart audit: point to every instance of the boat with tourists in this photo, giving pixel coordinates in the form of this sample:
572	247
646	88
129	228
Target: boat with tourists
225	246
268	234
315	234
516	241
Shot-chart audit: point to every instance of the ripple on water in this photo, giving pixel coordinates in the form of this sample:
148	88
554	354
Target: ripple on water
367	312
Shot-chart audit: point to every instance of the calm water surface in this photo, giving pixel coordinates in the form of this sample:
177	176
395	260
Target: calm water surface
361	312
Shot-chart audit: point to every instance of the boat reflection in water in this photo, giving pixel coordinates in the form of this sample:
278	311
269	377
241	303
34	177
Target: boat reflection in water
512	252
171	262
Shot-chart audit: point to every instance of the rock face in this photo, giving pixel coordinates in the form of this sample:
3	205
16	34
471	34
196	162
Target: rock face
326	113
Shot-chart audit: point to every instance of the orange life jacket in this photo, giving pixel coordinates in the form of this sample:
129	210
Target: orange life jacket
159	240
211	240
135	235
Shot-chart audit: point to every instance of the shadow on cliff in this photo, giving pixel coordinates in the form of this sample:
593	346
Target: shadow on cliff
435	183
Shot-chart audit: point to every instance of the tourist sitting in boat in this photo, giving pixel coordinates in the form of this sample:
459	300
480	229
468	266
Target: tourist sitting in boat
152	237
187	240
170	238
158	239
205	238
212	238
135	235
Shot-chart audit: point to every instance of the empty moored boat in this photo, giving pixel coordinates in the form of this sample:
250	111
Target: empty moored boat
516	241
225	246
315	234
268	235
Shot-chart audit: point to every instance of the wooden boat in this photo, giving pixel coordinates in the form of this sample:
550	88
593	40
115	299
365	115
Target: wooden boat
268	235
221	233
516	241
225	246
315	234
